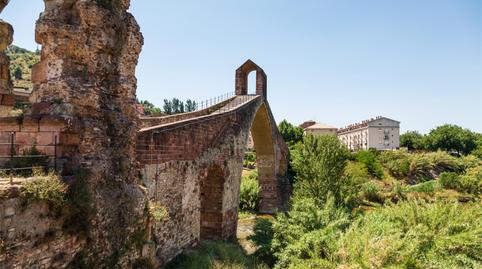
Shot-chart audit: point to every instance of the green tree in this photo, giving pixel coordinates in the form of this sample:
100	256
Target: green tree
167	107
150	109
190	105
290	133
319	163
450	137
412	140
18	74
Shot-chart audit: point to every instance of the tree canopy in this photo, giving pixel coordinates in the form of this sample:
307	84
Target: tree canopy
290	133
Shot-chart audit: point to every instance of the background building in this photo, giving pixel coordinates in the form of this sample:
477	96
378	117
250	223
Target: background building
320	129
379	133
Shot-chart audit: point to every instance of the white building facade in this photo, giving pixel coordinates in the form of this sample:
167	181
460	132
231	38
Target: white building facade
379	133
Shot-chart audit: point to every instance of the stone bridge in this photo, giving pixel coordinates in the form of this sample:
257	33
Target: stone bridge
193	165
84	93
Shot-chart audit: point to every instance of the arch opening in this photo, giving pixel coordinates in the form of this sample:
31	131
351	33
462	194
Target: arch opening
261	147
252	76
211	196
16	63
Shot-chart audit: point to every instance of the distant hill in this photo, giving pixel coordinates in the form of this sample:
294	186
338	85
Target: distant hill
23	60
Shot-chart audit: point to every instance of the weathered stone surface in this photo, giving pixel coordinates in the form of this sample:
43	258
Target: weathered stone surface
193	168
87	71
84	94
3	4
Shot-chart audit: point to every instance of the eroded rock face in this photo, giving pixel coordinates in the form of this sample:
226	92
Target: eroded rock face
3	4
6	38
87	72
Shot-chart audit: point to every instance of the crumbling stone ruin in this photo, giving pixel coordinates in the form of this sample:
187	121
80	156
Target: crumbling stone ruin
125	172
6	38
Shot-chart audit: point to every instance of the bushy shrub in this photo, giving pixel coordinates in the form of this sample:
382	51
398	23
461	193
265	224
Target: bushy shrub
371	162
248	193
449	180
49	189
470	161
470	182
420	168
415	234
357	171
308	231
444	162
319	164
263	239
371	192
397	162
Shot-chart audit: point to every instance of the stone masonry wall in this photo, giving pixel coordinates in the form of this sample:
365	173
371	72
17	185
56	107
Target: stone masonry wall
34	228
178	177
86	77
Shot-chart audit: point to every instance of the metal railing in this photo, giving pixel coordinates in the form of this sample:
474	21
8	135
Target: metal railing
16	164
203	104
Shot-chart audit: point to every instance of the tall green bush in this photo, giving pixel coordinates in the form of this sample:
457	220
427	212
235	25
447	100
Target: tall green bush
370	160
319	163
308	231
248	193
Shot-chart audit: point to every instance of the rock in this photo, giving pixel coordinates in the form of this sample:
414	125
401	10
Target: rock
6	35
3	4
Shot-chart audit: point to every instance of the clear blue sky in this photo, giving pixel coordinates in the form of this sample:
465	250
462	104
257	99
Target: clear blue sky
334	61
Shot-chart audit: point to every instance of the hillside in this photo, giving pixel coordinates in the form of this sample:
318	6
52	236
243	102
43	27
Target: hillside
21	62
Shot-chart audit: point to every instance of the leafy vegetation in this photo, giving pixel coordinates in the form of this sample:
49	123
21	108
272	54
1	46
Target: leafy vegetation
44	188
429	235
448	137
248	194
290	133
319	163
394	209
249	160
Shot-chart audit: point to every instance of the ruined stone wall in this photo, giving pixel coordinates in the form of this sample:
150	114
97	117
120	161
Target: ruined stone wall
89	53
180	177
86	76
32	236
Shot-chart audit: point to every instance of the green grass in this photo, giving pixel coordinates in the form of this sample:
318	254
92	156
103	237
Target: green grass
215	255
